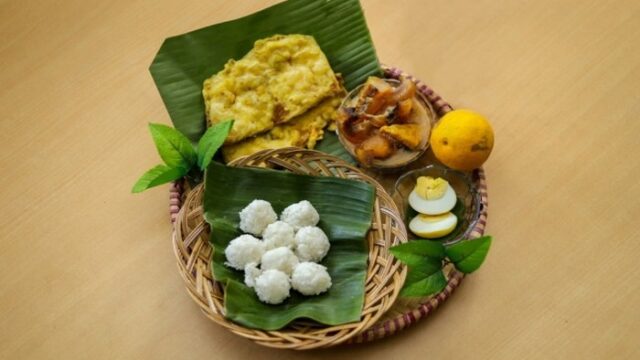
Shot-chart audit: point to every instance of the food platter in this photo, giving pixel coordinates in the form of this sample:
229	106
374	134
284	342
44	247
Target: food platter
190	243
319	198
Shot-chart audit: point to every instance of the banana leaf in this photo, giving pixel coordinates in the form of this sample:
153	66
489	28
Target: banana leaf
345	208
185	61
331	145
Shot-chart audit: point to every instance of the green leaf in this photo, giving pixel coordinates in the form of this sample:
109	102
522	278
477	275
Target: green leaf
185	61
430	285
159	175
211	141
421	270
346	211
414	252
468	255
174	148
330	144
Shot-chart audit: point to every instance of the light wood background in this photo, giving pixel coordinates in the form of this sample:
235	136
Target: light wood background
87	270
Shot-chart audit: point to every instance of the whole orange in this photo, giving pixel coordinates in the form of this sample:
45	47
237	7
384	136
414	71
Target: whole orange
462	140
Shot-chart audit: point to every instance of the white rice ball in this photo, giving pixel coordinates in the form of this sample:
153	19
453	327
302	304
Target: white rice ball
251	272
300	214
278	234
311	244
255	217
272	286
281	258
310	278
243	250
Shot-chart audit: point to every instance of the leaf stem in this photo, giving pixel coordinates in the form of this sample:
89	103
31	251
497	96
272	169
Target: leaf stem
194	176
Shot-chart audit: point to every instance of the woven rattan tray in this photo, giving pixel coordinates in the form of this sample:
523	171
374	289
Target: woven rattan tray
385	275
382	316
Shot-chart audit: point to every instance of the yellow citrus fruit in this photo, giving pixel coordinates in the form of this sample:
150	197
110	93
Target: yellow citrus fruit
462	140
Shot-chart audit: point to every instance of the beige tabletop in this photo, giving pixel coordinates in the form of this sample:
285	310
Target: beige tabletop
87	270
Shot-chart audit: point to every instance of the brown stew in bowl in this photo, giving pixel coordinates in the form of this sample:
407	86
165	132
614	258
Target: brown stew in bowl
384	123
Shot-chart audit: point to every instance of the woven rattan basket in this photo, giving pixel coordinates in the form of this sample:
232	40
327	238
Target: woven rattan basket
385	275
192	251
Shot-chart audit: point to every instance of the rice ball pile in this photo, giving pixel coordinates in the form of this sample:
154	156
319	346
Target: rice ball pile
286	257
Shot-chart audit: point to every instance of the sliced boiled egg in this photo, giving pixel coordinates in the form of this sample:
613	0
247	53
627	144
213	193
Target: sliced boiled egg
432	196
433	226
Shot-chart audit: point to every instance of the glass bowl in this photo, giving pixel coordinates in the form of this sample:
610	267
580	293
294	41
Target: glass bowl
404	156
467	207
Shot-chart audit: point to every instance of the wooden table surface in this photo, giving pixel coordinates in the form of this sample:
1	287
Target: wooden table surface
87	269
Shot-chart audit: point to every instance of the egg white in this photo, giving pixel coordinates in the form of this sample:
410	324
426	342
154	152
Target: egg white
433	227
436	206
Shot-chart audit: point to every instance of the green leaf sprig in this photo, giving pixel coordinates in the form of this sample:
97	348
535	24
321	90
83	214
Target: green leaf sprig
426	259
179	156
468	255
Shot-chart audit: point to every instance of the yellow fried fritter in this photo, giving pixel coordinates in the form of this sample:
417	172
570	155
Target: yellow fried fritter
409	135
282	77
304	131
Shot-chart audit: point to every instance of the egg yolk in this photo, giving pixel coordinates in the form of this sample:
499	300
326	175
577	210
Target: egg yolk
433	218
429	188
